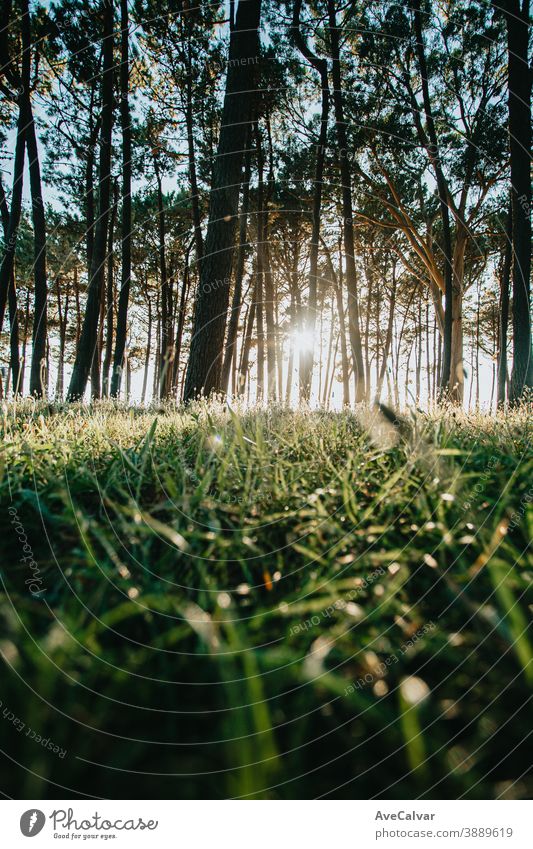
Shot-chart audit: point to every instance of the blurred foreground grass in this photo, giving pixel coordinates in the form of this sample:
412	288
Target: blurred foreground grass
267	604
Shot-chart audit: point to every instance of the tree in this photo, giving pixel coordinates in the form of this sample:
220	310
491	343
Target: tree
88	339
125	124
204	369
520	75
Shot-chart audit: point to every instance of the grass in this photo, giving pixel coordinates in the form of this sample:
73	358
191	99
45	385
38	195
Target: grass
264	604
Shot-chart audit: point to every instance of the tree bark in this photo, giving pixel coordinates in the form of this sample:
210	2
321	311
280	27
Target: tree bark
505	280
8	258
125	275
520	74
447	376
89	332
204	371
321	66
110	299
347	210
14	359
233	324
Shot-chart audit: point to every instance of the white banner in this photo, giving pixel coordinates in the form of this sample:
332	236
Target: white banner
268	825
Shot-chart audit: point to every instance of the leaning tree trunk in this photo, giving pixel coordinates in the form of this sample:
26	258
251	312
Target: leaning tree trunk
125	126
347	212
204	371
517	17
89	332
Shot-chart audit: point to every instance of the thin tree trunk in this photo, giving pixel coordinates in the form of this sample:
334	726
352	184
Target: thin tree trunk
247	344
504	310
320	65
38	357
264	270
14	360
8	259
110	299
447	376
193	179
185	286
388	337
233	324
125	276
148	350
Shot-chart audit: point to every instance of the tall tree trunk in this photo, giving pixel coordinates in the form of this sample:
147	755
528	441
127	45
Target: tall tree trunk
8	259
348	230
148	350
320	65
520	75
447	376
62	313
110	298
388	336
14	359
185	286
89	332
247	344
264	268
505	280
204	371
165	354
193	179
125	275
233	323
38	357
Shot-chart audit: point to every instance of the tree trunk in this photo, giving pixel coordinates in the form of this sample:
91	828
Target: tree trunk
320	65
348	230
165	353
125	276
233	324
8	259
505	280
148	350
88	337
447	374
264	270
246	345
37	383
517	18
14	359
185	286
388	337
63	324
193	180
204	371
110	298
456	382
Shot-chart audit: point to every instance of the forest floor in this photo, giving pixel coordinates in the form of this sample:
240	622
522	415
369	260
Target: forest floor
264	604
